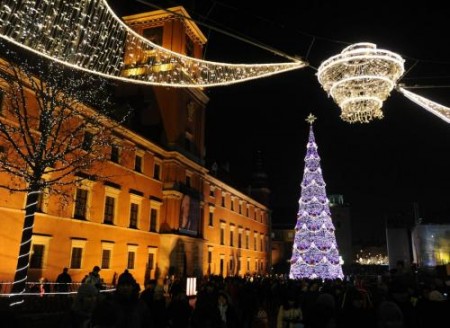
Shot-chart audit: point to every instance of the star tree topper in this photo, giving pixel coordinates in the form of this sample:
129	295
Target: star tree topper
311	118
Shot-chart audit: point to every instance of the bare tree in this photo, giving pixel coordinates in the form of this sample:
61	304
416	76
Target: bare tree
56	128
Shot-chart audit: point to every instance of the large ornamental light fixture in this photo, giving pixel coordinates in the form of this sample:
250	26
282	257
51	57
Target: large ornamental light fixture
87	35
360	79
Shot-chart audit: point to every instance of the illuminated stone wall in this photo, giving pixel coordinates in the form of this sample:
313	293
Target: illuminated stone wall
431	244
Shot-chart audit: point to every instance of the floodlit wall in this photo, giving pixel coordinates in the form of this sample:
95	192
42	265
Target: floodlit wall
431	244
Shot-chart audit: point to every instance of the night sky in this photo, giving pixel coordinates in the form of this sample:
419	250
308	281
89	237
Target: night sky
382	167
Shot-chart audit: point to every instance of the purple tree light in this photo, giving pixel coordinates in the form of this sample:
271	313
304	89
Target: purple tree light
315	252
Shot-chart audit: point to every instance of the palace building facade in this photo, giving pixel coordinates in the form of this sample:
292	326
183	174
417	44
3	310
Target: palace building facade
161	213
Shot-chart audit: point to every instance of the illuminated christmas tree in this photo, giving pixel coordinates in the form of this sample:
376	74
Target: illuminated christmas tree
315	253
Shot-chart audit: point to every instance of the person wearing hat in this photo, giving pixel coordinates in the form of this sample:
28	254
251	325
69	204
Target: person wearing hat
94	278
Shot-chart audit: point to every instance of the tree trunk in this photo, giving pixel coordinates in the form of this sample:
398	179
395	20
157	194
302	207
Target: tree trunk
23	260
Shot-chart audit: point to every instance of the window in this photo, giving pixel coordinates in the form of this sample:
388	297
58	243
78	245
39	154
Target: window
115	155
111	195
76	256
81	199
231	265
223	201
109	210
221	265
152	270
261	243
106	258
155	206
107	248
39	250
211	219
138	163
210	250
240	238
131	260
232	204
153	219
240	208
136	201
37	257
134	210
188	181
231	235
239	264
157	171
87	141
212	192
247	233
75	259
255	241
154	34
222	233
150	261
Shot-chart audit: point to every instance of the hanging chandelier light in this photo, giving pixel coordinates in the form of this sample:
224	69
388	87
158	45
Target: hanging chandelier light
360	79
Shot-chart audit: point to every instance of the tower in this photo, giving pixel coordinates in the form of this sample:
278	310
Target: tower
315	253
259	187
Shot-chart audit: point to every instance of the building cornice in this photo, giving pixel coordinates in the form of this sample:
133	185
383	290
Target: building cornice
158	17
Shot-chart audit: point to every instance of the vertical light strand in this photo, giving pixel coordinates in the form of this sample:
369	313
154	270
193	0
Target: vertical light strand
20	278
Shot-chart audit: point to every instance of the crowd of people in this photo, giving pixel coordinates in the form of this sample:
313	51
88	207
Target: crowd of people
397	300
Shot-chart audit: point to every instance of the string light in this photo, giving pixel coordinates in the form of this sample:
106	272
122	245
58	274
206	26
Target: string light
87	35
21	271
367	257
440	111
360	79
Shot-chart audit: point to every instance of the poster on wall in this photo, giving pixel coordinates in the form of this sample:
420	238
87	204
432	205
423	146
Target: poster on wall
189	215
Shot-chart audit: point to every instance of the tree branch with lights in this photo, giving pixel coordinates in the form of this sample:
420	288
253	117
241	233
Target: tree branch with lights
51	138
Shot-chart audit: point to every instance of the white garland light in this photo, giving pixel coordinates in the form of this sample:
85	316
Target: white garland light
440	111
22	281
359	79
87	35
